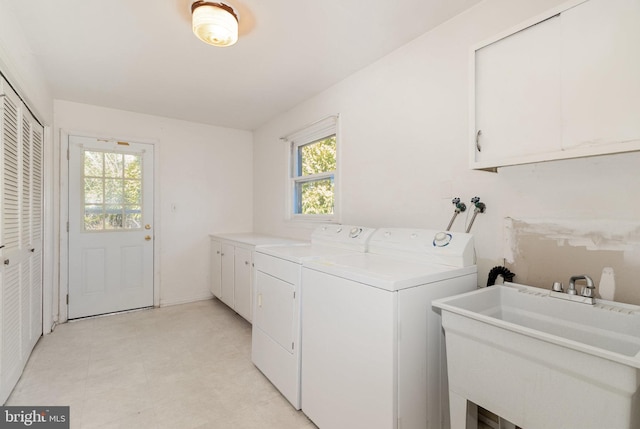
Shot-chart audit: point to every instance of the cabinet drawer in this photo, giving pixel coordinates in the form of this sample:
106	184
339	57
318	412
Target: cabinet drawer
276	267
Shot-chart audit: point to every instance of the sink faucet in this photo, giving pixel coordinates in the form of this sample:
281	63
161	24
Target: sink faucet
587	294
587	291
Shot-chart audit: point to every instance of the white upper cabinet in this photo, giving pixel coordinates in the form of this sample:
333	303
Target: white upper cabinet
518	93
601	73
562	85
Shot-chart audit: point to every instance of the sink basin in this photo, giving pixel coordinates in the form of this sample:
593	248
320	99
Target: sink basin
542	362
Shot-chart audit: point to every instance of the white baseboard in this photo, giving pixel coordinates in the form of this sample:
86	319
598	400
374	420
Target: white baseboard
167	303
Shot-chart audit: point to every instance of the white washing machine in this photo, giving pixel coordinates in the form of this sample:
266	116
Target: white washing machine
373	347
275	337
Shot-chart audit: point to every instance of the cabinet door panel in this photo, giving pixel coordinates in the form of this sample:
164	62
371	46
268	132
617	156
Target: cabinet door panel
216	268
242	301
518	93
565	87
227	275
601	69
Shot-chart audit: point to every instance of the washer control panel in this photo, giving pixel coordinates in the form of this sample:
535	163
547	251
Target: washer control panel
443	247
442	239
355	232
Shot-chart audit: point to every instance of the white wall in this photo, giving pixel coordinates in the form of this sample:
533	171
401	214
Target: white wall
21	68
403	152
204	170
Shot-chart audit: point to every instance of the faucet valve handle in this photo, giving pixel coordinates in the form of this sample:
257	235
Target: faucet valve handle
587	292
460	207
557	287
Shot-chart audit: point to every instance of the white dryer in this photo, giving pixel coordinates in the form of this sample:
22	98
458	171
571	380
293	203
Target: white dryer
373	347
275	337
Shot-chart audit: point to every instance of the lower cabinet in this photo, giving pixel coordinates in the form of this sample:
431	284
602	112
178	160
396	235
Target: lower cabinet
231	274
227	275
215	284
243	281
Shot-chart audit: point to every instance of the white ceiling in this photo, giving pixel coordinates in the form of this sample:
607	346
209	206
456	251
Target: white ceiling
141	56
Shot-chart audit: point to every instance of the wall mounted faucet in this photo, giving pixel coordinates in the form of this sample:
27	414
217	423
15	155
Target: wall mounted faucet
460	207
479	208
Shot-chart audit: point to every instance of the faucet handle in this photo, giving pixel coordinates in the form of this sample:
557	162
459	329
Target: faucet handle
587	292
557	287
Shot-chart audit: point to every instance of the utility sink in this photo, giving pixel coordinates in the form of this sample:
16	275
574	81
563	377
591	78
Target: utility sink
542	362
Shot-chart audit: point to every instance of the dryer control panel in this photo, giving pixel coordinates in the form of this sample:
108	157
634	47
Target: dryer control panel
344	236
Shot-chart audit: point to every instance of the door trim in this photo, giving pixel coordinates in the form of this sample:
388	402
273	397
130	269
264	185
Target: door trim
63	309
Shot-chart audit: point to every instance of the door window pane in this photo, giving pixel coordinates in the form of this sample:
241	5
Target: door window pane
93	164
132	167
93	218
113	164
132	191
133	217
93	191
114	217
112	191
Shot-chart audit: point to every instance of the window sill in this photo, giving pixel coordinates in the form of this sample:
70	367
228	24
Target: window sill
301	219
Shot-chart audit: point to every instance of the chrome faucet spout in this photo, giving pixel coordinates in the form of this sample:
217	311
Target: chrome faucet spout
586	291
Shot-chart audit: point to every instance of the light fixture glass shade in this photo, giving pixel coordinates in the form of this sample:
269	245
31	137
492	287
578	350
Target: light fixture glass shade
214	23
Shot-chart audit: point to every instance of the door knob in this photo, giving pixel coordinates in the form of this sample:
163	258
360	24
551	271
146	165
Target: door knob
148	237
147	226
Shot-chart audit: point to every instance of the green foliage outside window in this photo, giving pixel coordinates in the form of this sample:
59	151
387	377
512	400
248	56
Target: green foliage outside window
112	191
316	197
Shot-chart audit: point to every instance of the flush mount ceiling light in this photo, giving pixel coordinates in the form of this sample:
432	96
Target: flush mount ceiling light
214	23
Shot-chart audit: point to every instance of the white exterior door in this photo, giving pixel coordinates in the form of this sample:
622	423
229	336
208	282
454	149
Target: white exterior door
110	226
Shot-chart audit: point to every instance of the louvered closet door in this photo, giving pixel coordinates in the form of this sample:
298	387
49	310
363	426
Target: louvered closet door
11	354
31	233
20	237
35	247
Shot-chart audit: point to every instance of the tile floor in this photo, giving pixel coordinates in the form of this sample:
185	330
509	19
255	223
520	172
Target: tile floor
181	367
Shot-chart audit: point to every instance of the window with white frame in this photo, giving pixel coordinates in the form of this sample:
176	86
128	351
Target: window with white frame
313	171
